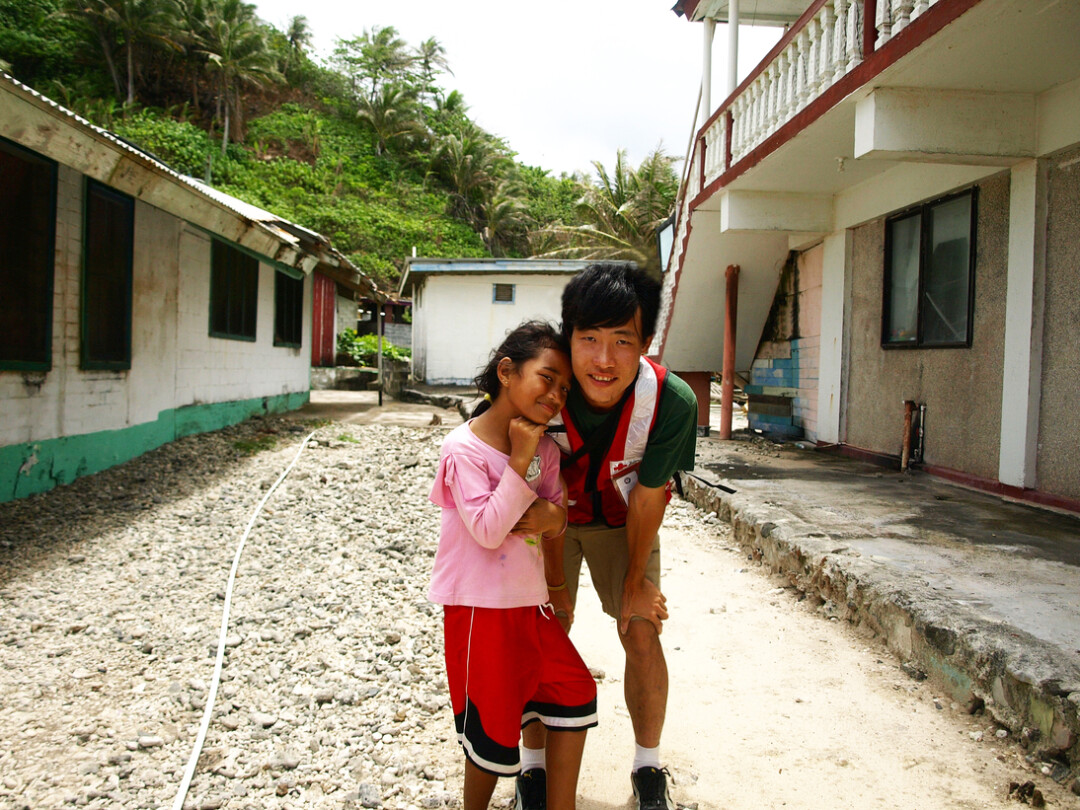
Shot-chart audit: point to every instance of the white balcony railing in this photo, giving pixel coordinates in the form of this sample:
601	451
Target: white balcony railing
827	43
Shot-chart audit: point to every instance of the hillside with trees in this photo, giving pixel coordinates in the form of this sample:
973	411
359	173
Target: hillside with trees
367	146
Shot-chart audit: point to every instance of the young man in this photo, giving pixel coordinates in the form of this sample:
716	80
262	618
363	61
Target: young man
629	425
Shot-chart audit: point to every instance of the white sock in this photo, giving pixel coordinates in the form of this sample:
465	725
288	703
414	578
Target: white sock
646	757
532	758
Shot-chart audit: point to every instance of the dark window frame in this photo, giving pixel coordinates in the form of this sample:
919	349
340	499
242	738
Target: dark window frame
234	274
923	211
288	310
47	294
87	362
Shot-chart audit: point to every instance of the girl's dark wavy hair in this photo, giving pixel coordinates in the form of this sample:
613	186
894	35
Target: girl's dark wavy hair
522	344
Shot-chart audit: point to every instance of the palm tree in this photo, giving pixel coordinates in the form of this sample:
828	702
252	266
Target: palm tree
393	116
471	164
129	24
235	47
431	58
505	218
620	213
299	36
375	58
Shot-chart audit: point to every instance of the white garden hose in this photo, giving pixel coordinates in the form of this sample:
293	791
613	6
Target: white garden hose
208	712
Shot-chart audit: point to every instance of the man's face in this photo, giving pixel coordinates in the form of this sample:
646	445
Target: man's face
605	360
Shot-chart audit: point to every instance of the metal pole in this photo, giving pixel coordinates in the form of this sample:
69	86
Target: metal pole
727	380
705	105
379	329
733	47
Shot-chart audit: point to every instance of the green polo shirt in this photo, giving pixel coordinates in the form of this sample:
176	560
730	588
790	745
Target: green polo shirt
673	439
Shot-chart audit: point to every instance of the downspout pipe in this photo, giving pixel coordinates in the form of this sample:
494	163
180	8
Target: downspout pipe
905	452
733	48
705	108
727	380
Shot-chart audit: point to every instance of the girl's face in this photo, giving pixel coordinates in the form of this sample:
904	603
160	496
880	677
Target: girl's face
537	389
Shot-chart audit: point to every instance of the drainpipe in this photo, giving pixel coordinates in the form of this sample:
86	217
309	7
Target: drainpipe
905	452
920	433
727	380
706	71
733	47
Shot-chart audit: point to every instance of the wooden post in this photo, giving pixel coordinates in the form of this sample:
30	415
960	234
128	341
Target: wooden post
727	380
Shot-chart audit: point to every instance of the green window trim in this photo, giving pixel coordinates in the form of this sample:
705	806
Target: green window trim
91	355
234	293
288	311
48	264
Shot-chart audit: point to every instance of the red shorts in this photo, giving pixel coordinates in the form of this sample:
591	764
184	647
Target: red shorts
506	668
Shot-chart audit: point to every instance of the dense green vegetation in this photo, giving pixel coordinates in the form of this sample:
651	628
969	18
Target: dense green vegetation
367	148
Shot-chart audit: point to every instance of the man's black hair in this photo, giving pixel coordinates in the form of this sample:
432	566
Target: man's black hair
606	295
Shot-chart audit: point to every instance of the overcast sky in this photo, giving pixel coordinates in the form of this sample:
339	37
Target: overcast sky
565	82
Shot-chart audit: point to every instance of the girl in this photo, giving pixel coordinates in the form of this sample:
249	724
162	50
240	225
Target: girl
508	660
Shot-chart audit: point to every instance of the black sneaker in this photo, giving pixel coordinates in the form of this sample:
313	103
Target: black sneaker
650	789
531	790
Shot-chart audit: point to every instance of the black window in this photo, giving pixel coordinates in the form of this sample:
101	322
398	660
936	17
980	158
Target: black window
288	310
502	293
234	292
930	273
27	249
108	239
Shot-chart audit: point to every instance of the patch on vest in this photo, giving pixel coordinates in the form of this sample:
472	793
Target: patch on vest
624	476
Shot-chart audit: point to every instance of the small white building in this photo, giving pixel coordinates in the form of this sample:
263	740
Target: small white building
463	308
136	305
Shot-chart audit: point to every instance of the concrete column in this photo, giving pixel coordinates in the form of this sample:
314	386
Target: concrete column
733	46
834	297
706	71
727	381
1024	305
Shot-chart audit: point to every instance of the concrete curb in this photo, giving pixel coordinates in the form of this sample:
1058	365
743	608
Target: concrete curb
462	405
1025	684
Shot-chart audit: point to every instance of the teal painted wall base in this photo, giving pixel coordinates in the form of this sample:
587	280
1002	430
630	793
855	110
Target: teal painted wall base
26	469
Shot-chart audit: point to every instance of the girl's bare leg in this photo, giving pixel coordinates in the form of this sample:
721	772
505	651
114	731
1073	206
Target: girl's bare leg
479	785
564	749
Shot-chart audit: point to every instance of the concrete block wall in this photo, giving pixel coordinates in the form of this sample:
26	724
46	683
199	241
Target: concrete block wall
787	369
211	369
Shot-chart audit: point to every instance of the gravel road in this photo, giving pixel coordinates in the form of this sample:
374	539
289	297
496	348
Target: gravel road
333	693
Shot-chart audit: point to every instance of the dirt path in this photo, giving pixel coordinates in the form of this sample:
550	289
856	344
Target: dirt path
774	705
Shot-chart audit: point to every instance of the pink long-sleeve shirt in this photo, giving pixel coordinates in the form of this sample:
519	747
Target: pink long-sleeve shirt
479	563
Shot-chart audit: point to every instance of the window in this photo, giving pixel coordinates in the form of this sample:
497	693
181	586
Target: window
502	293
234	292
929	274
27	248
108	238
288	310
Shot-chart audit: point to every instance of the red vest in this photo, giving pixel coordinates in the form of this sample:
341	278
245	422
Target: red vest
616	474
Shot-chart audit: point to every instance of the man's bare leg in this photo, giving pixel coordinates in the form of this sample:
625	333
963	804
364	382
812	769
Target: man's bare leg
534	735
645	683
564	750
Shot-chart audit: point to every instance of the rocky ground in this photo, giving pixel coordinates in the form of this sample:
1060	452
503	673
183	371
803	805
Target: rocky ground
111	596
333	692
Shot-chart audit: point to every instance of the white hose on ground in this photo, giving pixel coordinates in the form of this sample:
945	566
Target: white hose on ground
208	712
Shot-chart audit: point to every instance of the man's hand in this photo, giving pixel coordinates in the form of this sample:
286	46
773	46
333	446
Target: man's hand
642	599
542	517
564	610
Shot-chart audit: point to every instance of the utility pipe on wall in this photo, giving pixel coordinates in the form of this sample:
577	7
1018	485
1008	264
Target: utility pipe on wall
706	71
727	379
733	47
905	451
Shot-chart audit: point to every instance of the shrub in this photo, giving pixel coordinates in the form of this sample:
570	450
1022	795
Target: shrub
364	348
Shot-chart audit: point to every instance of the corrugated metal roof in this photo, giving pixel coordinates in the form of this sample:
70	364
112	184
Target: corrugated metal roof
312	245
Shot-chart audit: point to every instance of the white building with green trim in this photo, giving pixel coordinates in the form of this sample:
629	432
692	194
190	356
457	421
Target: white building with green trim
136	305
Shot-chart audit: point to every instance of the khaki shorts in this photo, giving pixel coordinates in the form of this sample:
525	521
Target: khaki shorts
604	550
